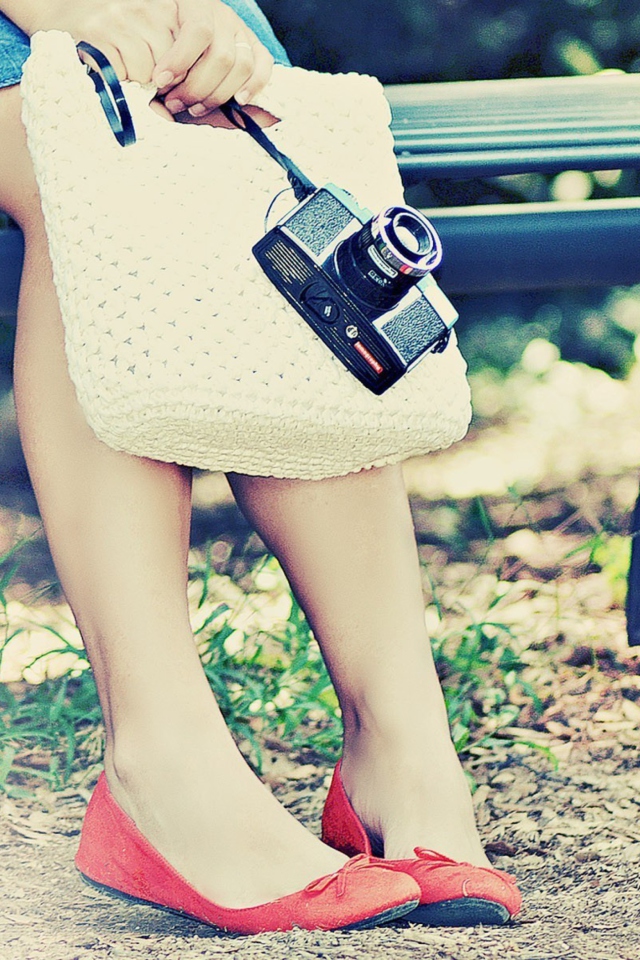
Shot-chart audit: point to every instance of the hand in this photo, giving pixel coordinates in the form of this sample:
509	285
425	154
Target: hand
215	57
199	53
134	34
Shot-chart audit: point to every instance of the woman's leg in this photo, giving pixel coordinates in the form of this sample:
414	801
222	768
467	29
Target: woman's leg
348	547
118	528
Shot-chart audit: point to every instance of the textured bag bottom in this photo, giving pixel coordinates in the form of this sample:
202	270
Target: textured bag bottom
278	448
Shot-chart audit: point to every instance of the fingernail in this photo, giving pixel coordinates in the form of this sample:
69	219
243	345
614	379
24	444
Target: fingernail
242	97
164	79
197	110
175	106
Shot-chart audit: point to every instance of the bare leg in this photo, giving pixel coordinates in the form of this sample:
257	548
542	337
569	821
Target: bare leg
348	547
119	528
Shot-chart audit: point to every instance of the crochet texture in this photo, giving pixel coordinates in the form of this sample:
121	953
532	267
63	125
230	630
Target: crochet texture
179	347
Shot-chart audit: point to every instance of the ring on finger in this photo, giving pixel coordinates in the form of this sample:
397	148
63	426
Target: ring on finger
243	43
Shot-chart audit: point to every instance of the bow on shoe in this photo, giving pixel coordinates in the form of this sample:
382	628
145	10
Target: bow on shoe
341	876
434	859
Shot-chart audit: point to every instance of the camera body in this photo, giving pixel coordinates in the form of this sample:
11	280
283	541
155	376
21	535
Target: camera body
362	282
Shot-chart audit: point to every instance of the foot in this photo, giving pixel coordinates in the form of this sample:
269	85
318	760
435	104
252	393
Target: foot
202	808
408	798
117	859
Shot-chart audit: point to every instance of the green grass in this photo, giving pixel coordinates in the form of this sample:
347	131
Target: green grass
265	670
612	554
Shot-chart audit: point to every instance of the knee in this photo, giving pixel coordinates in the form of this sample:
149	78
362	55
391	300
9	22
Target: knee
18	189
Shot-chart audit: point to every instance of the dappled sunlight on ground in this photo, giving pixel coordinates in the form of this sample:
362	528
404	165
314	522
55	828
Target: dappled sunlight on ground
544	430
40	642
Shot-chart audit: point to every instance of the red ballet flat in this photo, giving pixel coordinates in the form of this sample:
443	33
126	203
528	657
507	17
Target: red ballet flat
452	893
117	859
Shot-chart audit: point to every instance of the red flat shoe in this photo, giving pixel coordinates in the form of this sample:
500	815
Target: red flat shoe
116	858
451	893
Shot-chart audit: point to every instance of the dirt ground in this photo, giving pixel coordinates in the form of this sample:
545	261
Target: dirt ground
569	832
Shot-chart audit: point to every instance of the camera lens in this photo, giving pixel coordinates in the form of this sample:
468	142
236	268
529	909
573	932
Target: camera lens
407	240
408	237
387	256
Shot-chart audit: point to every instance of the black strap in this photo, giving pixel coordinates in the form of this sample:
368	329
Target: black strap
112	97
118	114
302	186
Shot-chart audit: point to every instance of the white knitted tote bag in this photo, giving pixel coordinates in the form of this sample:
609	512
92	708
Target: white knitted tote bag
179	347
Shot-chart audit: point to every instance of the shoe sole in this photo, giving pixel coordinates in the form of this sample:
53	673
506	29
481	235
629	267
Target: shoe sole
393	913
465	912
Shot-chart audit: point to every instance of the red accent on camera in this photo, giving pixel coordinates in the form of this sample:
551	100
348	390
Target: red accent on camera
369	357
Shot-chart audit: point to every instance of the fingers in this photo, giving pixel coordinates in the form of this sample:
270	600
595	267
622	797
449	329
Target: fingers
143	31
262	67
194	38
133	34
199	53
141	49
216	76
236	80
137	58
137	54
160	40
111	53
211	61
239	70
132	58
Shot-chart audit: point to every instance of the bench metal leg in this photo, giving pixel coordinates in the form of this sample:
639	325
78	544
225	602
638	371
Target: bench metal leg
633	583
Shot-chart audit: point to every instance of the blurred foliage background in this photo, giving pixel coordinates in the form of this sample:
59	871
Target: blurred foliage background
446	40
424	40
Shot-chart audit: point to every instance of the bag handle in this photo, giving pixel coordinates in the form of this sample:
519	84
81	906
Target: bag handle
116	108
111	94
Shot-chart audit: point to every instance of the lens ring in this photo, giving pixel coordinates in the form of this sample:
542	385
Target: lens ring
392	229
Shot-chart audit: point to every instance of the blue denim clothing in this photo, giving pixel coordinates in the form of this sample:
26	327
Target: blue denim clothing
14	44
14	50
255	19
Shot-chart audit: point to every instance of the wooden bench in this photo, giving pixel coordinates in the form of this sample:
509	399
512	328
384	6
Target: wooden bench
495	127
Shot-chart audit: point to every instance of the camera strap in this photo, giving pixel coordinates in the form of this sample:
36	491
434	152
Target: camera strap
300	183
117	112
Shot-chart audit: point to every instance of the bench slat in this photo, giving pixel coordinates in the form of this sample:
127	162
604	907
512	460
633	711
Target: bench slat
538	246
494	127
490	248
496	162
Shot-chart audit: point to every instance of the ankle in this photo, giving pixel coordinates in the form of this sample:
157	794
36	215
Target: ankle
147	757
397	740
408	713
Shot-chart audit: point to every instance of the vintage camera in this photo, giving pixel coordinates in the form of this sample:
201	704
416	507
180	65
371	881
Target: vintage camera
363	282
